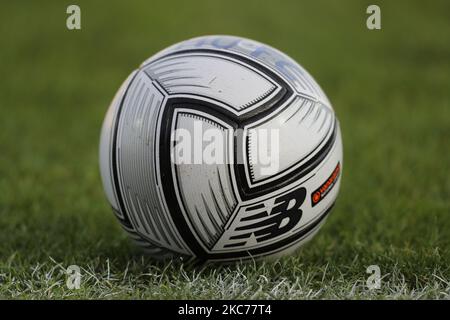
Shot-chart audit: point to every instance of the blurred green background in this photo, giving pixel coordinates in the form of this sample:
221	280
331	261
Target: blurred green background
389	87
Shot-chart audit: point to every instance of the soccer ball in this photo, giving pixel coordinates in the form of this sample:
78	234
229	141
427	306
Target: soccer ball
220	148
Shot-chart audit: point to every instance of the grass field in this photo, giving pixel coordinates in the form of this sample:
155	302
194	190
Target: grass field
390	89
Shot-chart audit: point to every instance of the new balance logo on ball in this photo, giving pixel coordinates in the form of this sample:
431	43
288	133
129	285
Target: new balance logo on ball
267	222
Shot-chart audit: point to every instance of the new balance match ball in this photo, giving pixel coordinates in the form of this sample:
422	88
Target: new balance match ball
221	148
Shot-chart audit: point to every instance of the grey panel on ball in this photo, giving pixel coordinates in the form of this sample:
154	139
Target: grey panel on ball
206	190
218	77
300	79
137	175
106	147
301	128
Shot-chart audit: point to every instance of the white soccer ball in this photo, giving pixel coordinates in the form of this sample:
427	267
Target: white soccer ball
221	148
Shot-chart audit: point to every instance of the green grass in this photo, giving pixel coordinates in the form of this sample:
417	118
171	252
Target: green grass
390	89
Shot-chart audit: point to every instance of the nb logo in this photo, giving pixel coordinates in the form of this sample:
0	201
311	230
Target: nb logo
268	224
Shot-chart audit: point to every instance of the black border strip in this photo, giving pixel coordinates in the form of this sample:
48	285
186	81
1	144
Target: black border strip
114	161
